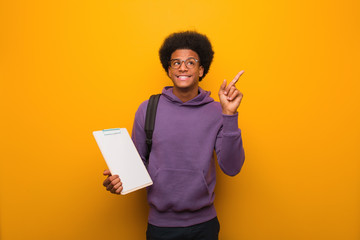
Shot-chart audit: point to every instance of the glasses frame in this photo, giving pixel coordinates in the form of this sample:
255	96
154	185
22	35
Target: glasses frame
181	62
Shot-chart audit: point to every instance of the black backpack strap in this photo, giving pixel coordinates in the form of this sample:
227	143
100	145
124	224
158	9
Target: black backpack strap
150	120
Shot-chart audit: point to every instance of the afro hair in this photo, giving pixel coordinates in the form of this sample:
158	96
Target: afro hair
197	42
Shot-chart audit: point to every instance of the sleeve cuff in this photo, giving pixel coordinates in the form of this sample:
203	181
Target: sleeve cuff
230	123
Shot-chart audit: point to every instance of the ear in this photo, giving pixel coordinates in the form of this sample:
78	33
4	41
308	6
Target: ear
201	71
168	71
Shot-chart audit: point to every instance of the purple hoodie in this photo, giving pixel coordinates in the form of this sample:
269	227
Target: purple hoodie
181	162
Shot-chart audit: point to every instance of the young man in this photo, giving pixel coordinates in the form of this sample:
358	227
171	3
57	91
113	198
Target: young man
189	126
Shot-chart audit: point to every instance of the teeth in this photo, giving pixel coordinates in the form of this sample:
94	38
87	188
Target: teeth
183	77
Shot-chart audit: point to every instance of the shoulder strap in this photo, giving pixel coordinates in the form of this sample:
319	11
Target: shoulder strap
150	120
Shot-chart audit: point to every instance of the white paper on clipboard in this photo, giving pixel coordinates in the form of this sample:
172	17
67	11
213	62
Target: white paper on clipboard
122	158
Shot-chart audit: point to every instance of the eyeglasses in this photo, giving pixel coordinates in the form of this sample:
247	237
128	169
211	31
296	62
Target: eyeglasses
189	63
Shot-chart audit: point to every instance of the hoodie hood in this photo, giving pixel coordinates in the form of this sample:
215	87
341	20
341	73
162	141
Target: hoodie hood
202	98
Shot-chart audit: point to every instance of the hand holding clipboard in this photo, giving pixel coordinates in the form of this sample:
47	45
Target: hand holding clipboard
123	161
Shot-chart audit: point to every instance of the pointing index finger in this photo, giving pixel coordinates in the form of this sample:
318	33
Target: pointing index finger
238	76
234	81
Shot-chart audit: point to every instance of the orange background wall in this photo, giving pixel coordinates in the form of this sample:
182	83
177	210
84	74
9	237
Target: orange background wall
68	68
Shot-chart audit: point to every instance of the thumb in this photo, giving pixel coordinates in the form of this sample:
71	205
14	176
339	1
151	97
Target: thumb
107	172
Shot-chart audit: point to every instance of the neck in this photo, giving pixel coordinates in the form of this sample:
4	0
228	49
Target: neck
186	94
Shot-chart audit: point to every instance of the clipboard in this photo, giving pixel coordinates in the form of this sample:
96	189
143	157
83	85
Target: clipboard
122	158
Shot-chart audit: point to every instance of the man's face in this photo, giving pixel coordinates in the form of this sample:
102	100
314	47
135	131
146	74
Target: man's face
185	77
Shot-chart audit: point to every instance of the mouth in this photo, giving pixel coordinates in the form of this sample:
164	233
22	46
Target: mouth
183	77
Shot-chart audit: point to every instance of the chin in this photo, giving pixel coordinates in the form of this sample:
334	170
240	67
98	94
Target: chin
184	84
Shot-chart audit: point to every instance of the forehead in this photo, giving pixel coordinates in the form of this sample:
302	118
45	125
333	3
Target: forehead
184	54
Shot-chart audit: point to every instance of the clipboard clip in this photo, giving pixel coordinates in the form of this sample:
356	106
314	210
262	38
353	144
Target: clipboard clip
111	131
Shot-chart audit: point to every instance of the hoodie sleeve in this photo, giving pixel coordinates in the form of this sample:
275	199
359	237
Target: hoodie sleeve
229	146
138	132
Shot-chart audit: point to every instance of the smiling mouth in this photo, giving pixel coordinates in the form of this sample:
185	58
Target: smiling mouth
183	77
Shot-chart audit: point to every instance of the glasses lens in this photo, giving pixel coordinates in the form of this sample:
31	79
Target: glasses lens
190	63
175	63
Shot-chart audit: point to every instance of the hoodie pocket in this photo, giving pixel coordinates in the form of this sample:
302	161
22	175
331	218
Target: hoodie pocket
179	190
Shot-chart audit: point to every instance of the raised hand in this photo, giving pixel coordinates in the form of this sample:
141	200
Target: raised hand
230	97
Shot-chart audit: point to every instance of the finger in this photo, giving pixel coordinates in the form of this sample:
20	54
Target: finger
115	181
116	187
236	78
109	187
109	179
112	177
234	95
231	91
223	85
106	182
118	191
112	183
107	172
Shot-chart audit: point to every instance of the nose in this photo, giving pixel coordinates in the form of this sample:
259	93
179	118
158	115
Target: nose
183	66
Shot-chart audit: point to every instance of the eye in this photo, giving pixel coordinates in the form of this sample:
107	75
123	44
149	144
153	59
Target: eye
175	63
190	62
